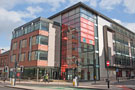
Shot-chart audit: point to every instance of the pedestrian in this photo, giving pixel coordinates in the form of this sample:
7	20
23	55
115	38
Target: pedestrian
4	79
46	77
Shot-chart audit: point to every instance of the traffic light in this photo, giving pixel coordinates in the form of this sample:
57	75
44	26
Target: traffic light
107	63
22	68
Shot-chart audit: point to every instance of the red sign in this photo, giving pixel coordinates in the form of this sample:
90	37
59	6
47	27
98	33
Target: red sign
107	63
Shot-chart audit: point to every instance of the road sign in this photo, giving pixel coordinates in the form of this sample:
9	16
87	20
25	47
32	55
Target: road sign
107	63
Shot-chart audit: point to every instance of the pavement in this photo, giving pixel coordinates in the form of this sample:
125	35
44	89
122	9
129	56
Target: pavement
64	85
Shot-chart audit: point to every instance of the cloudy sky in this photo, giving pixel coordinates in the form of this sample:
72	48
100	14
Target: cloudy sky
14	13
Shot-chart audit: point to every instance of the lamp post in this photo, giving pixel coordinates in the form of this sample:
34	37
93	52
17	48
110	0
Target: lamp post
15	69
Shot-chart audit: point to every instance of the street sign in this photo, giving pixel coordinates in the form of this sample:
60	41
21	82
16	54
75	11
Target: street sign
107	63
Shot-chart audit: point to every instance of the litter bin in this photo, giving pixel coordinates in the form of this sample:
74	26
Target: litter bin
75	82
13	82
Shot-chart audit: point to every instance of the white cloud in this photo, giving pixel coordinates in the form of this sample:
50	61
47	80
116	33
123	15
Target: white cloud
33	10
109	4
130	26
10	19
93	3
53	3
9	4
129	6
6	48
14	18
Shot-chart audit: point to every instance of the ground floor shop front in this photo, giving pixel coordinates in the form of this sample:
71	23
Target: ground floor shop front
36	73
84	73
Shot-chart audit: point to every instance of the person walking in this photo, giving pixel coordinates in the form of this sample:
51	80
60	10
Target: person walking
46	77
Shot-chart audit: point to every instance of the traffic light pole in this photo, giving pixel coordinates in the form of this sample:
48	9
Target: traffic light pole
14	78
108	81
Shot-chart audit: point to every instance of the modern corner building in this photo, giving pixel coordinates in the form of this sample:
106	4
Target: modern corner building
77	41
36	47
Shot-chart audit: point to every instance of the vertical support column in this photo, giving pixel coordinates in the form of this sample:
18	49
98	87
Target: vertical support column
37	74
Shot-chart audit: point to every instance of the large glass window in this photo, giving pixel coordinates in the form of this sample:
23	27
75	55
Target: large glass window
39	25
43	40
42	55
39	55
34	40
39	39
23	43
13	58
14	46
22	57
44	26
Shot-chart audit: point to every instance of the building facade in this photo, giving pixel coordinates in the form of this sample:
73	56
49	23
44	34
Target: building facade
89	40
35	48
77	41
4	63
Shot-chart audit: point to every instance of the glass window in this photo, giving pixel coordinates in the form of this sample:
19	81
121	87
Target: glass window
43	55
29	28
90	57
77	10
33	55
65	15
25	29
34	40
14	47
13	58
43	40
40	40
38	55
37	25
29	57
72	12
23	43
45	26
22	57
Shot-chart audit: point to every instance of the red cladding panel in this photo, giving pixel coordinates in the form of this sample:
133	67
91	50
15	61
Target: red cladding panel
90	37
87	31
87	21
